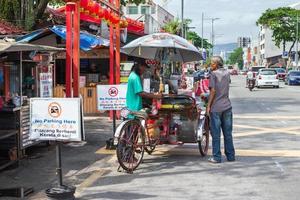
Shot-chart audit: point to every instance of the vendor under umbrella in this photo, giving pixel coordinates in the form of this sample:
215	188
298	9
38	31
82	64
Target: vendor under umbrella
135	91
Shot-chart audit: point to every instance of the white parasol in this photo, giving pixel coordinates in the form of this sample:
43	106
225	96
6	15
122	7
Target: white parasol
163	46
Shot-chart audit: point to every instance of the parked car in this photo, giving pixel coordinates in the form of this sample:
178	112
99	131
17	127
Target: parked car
255	70
267	77
293	78
281	73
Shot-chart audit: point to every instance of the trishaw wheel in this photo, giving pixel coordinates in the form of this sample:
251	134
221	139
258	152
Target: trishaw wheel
203	144
130	149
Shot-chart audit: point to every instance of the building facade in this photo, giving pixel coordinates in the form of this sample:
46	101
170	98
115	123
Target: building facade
270	54
153	15
243	42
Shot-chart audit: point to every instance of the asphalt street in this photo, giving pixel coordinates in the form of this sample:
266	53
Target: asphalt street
266	138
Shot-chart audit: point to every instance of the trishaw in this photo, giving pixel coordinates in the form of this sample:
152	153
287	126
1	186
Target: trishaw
179	120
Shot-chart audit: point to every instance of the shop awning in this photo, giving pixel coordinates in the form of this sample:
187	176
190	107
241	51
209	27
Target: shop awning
18	46
87	41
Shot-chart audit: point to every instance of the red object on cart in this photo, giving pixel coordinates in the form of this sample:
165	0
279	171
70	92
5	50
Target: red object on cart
203	87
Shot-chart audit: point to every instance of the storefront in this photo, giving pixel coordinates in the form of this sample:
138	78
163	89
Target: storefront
23	75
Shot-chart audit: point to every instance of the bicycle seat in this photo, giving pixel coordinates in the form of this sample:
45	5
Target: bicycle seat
139	114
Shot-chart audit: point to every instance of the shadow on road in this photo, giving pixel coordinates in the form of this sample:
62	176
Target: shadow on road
158	167
116	195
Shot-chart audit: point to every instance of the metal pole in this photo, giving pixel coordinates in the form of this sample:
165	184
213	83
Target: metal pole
297	42
212	37
202	40
182	18
58	164
21	76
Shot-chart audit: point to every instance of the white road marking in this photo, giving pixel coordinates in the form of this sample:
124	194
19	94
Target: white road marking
284	122
279	166
265	117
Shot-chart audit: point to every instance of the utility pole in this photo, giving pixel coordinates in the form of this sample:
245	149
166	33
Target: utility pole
297	42
202	40
182	18
213	34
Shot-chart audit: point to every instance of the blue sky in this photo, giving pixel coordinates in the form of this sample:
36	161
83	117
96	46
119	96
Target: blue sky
238	17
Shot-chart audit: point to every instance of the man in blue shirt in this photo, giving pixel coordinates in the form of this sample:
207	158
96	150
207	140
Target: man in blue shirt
135	91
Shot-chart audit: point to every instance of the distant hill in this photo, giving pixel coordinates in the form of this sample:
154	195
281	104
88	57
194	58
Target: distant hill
224	47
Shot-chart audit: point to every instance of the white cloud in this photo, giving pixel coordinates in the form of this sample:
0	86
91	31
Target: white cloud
238	17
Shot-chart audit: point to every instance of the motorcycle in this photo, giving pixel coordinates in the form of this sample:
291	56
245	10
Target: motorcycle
251	84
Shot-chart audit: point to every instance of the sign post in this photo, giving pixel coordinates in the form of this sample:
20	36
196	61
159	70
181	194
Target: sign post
111	98
57	119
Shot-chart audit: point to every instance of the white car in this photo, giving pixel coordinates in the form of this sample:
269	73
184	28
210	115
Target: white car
267	77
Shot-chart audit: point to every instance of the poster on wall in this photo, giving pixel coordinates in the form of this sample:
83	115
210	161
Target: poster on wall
46	89
82	81
111	97
58	119
125	69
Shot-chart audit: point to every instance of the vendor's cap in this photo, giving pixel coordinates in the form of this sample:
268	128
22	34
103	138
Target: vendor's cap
142	61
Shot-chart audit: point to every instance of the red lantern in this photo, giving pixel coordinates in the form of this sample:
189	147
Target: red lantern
100	12
91	5
95	9
106	14
112	19
84	3
117	19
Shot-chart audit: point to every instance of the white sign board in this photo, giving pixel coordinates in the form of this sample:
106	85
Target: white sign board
285	54
82	81
111	97
147	85
56	119
190	82
46	85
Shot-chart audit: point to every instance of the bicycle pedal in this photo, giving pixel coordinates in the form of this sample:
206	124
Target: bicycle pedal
119	169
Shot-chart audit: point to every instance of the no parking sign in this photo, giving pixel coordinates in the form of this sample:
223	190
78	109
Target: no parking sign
111	97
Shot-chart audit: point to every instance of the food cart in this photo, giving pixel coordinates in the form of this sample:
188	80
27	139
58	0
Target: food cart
176	119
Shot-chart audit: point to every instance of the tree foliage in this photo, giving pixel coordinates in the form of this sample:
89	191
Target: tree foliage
236	58
174	27
28	13
137	2
283	22
197	40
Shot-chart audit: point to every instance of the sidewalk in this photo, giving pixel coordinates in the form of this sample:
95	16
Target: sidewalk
79	161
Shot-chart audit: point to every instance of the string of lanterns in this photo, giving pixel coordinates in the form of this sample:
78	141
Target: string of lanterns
95	10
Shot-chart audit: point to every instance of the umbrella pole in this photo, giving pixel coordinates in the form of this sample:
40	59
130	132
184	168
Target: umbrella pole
21	76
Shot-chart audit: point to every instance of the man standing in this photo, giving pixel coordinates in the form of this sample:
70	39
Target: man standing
220	111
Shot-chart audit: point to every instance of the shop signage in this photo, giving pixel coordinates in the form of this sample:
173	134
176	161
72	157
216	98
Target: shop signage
111	97
46	85
58	119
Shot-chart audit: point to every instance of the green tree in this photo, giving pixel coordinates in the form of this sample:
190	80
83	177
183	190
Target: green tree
236	58
28	13
283	22
174	27
197	40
